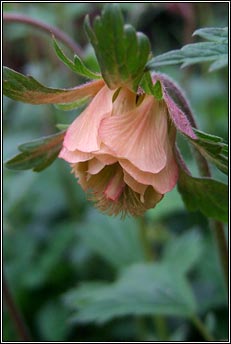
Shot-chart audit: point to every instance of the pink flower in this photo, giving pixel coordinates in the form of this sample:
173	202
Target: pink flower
121	149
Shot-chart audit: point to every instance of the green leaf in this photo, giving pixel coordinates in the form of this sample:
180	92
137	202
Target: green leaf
183	252
204	194
121	52
213	34
107	236
37	154
142	289
216	50
211	291
212	148
147	85
77	66
221	63
26	89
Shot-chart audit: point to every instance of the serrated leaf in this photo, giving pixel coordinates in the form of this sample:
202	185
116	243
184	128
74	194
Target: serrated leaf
26	89
221	63
212	148
204	194
107	236
213	34
77	66
122	52
37	154
142	289
216	50
150	88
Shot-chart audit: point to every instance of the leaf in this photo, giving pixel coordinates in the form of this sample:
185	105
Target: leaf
212	148
121	52
150	88
51	321
184	251
209	287
213	34
37	154
26	89
204	194
77	66
142	289
50	257
222	62
216	50
107	236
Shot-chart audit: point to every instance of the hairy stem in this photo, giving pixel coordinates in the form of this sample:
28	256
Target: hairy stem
14	312
203	166
59	34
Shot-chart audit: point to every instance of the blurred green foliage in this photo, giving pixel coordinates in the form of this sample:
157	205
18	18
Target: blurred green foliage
54	240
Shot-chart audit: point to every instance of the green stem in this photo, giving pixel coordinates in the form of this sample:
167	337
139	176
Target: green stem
219	235
161	327
158	320
59	34
202	329
203	166
149	254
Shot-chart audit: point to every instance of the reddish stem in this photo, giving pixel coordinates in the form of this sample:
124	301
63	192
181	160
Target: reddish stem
60	35
14	312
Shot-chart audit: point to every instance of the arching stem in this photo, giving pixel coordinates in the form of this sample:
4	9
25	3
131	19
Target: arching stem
59	34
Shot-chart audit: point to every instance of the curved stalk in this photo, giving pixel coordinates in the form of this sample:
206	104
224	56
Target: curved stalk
59	34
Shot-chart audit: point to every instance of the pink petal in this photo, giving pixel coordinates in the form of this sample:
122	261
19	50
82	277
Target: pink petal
163	181
106	159
124	102
82	134
139	135
134	184
75	156
105	155
95	166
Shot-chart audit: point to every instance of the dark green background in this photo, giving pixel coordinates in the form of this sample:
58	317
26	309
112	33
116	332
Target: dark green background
50	245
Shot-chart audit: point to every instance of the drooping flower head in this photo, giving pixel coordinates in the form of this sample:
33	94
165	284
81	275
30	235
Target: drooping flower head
121	149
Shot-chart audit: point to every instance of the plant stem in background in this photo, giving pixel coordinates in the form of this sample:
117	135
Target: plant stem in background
59	34
149	253
14	313
202	329
217	227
